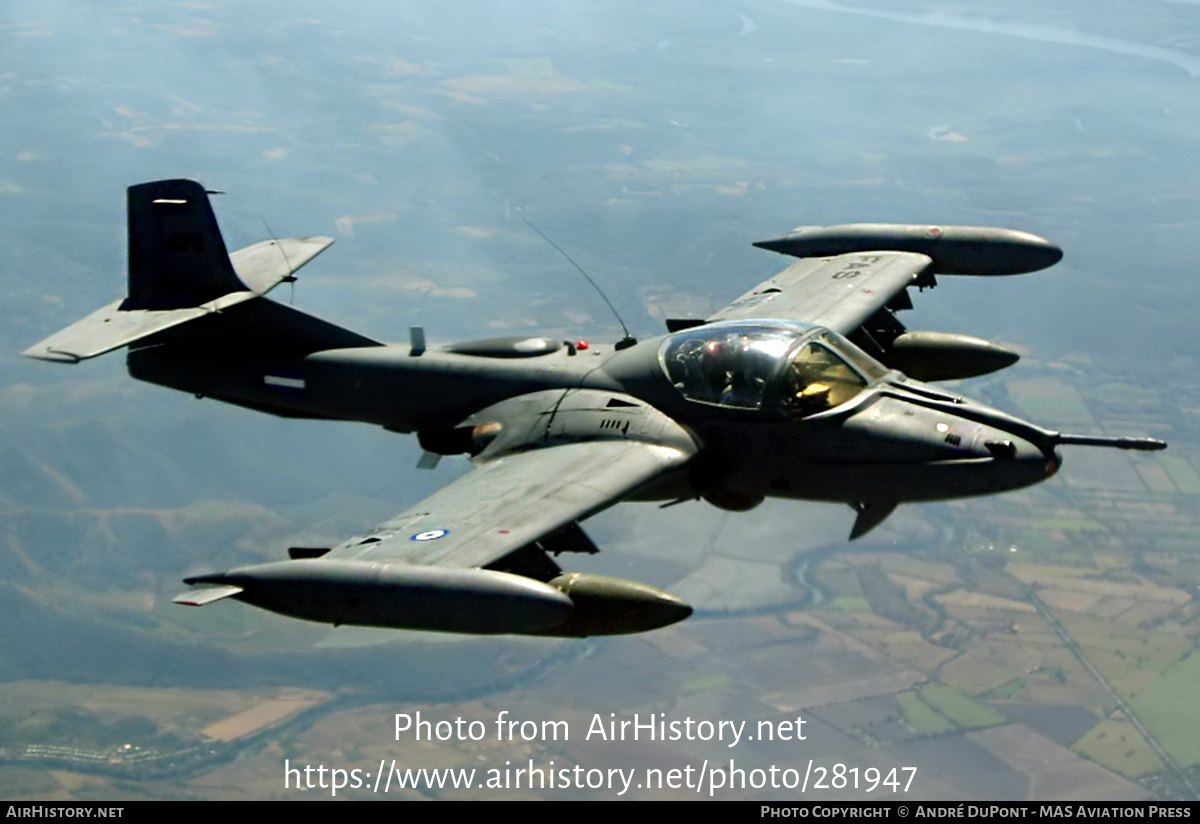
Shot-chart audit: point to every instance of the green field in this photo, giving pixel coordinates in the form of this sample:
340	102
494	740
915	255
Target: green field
1167	707
1117	745
848	603
1007	689
960	708
938	708
1050	401
1182	473
922	717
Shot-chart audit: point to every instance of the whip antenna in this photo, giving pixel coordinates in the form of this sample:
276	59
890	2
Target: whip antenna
289	278
625	342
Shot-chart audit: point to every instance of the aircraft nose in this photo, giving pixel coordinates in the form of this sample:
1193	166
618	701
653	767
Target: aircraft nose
1053	462
1017	460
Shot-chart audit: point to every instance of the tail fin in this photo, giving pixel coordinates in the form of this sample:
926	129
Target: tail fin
177	257
180	271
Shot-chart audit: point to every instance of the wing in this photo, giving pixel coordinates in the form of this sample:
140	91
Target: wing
847	273
513	501
839	292
472	556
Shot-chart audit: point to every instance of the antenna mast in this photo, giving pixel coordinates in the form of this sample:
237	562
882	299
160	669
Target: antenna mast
625	342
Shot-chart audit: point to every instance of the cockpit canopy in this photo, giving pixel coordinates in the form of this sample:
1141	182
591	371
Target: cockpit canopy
797	370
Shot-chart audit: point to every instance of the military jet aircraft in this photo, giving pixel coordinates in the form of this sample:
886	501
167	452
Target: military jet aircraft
805	387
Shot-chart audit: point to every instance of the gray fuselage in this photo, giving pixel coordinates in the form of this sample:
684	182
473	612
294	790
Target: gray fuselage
895	440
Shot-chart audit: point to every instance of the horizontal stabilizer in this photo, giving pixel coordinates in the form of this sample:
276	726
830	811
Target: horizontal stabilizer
200	596
112	327
178	271
264	265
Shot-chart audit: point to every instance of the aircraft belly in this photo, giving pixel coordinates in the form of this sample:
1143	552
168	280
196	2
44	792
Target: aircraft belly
942	480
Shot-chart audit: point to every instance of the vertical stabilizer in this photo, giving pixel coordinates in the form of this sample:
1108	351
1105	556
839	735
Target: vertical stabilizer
177	258
180	271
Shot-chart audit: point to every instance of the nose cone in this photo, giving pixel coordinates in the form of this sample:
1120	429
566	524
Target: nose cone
1017	461
1053	462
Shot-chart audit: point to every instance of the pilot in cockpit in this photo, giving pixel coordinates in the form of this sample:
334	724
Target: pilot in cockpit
726	371
730	368
817	380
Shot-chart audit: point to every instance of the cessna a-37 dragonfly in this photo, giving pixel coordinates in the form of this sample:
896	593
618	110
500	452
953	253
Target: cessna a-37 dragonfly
805	387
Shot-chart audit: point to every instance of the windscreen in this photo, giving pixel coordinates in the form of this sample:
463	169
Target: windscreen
816	379
747	367
728	366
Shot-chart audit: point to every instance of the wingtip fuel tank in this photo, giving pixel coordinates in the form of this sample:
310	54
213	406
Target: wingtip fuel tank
955	250
405	596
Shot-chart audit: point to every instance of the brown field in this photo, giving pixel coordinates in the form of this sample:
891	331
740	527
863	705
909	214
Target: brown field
260	716
979	600
1053	771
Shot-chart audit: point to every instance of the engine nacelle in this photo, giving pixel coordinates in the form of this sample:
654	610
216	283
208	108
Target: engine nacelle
943	356
731	499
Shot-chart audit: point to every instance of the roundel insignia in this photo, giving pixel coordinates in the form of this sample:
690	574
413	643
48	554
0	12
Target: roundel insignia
431	535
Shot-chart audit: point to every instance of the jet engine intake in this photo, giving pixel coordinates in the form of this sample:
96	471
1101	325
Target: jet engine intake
731	499
459	440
